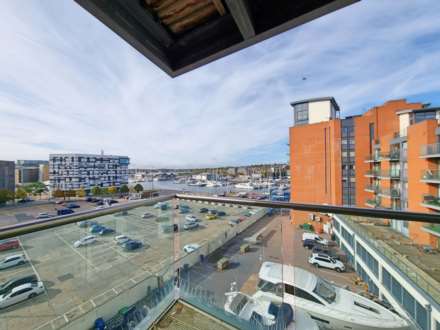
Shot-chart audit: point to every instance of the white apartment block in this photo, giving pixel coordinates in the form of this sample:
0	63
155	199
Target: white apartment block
76	171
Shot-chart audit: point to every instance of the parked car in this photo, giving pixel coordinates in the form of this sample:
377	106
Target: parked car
44	216
73	206
94	229
211	217
323	260
99	202
9	244
11	261
132	245
87	240
191	218
203	210
121	239
147	215
190	225
65	211
191	247
213	212
234	222
318	248
314	237
12	283
169	228
90	199
86	223
106	231
183	210
161	205
310	243
221	213
21	293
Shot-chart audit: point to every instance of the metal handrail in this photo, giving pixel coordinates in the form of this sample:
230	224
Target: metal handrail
363	212
40	225
31	227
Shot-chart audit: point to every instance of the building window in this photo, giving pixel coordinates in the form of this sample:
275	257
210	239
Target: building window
301	113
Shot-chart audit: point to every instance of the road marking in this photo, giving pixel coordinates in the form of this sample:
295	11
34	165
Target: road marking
28	258
76	251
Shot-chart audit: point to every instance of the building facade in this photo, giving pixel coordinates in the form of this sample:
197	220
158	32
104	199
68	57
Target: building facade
29	171
7	170
388	158
85	171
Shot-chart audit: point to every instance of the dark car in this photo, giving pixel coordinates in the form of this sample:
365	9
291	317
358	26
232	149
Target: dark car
91	200
310	243
94	229
221	213
64	211
9	285
9	244
112	201
72	206
99	203
132	245
203	210
106	231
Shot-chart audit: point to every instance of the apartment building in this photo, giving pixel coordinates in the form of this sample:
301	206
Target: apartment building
7	181
84	171
388	158
28	171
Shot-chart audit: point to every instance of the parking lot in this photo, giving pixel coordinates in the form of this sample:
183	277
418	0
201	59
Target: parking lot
74	276
28	212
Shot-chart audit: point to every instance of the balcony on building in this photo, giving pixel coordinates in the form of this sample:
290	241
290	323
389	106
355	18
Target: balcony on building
431	202
393	193
374	188
375	203
430	151
372	173
431	176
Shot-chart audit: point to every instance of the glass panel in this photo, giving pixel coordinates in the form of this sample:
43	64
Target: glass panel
117	267
405	266
231	264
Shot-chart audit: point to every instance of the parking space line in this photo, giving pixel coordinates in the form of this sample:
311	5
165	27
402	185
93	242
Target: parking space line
77	252
28	258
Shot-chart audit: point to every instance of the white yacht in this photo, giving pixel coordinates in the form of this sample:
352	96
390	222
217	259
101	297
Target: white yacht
213	184
262	311
246	185
332	307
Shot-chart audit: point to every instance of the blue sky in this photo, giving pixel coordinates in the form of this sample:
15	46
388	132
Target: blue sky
69	84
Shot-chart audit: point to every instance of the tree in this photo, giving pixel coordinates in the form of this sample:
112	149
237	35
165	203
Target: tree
6	196
112	190
124	189
96	191
104	191
138	188
80	193
20	193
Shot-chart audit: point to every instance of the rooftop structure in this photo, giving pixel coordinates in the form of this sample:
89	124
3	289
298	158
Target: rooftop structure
182	35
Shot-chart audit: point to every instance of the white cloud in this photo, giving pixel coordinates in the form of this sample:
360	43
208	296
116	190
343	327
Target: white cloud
67	83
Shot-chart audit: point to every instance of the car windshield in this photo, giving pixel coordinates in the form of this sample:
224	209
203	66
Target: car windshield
238	303
325	290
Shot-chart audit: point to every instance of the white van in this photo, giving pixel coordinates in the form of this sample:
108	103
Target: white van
314	237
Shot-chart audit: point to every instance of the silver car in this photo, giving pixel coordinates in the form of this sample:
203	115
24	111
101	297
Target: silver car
21	293
11	261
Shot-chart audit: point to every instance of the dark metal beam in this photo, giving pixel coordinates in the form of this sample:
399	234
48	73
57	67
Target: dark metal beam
356	211
242	16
